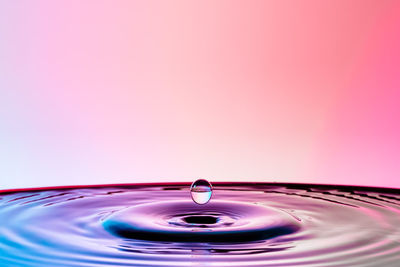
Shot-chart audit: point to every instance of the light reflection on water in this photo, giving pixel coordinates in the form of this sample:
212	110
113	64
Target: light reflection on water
242	225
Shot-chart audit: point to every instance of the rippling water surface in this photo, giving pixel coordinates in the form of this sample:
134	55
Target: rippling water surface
160	225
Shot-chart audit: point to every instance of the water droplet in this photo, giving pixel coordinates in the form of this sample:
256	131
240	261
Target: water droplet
201	191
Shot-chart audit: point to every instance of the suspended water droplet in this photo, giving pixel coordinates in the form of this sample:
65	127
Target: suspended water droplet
201	191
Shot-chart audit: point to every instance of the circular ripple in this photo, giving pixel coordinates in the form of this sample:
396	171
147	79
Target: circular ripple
158	225
184	221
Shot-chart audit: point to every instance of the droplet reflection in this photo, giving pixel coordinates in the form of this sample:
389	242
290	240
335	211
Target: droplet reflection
201	191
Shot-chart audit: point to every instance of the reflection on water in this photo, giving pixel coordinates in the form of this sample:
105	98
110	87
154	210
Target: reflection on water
159	225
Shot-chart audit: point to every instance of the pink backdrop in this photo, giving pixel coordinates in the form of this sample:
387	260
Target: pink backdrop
158	91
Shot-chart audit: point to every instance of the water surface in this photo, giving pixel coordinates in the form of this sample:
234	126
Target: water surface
242	225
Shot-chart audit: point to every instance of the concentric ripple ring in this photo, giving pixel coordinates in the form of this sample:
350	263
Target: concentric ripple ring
244	224
234	222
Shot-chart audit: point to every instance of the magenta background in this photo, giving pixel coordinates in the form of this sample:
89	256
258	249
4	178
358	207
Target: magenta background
160	91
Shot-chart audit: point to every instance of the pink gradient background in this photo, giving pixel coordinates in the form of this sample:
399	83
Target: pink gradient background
98	92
